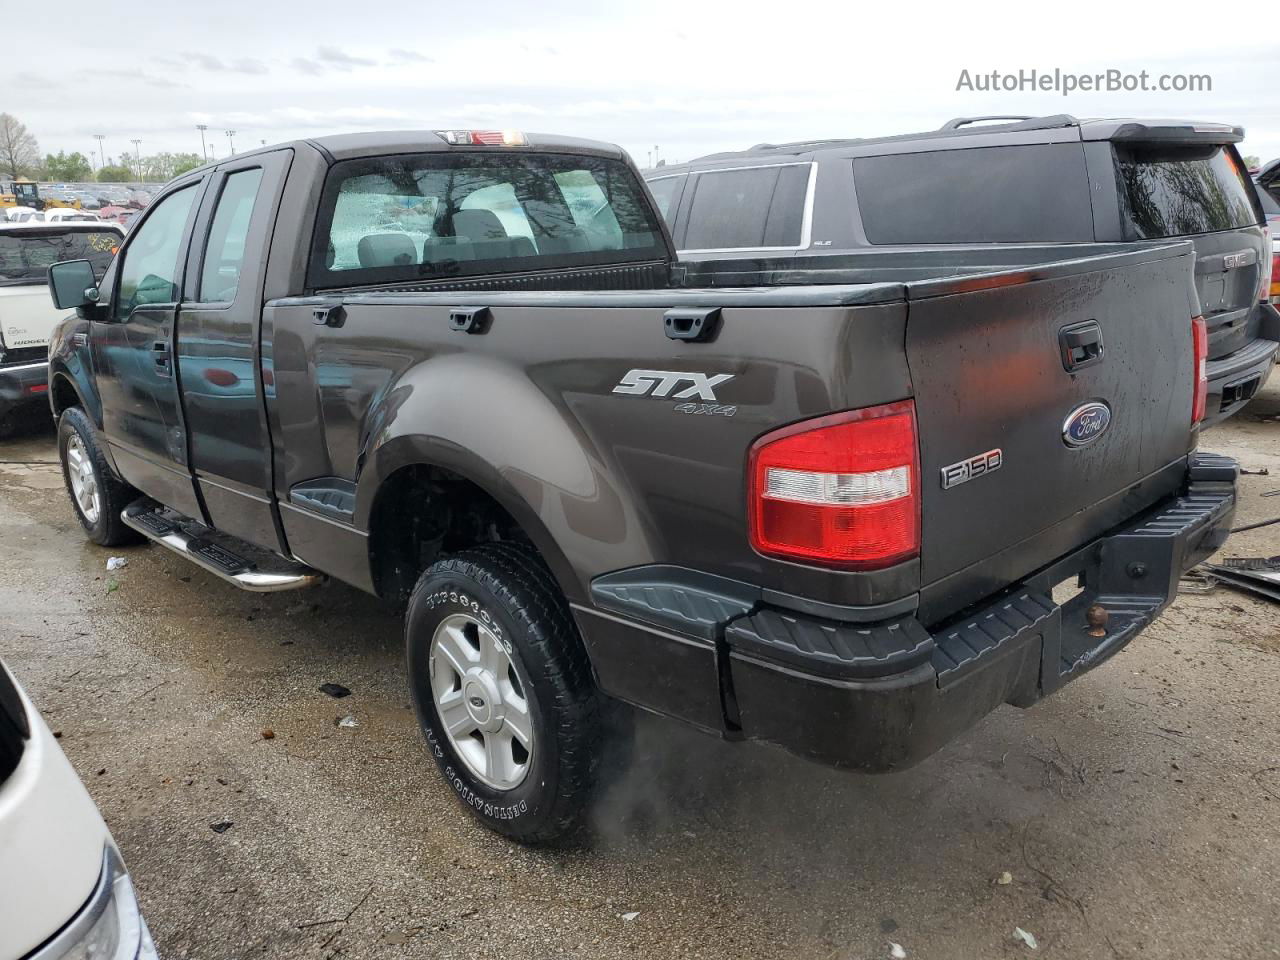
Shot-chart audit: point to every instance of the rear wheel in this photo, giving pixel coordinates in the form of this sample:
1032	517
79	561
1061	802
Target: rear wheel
503	691
97	495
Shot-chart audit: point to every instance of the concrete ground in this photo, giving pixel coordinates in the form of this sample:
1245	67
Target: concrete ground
1137	812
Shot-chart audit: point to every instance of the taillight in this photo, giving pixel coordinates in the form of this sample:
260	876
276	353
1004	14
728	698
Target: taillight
1200	342
840	491
1275	276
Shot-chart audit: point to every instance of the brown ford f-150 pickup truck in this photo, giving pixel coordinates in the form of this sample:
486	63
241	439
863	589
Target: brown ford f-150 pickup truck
463	370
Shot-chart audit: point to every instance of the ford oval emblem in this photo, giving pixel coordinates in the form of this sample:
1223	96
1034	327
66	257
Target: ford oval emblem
1086	423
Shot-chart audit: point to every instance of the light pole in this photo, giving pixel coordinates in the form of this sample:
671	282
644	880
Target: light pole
102	159
230	135
204	151
137	153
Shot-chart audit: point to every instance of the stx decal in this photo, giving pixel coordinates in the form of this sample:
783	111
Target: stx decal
661	383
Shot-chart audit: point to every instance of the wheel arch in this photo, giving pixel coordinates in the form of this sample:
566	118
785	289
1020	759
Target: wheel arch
383	482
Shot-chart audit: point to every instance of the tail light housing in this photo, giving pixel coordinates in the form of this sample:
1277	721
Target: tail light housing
841	491
1200	341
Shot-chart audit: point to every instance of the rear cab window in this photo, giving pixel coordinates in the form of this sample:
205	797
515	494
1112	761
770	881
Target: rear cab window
1032	193
440	215
27	254
1182	190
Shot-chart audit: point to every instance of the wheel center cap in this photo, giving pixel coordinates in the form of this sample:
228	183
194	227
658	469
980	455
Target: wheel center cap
483	701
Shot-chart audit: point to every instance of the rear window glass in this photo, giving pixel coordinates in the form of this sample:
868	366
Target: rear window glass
1183	190
27	255
435	216
747	208
1038	193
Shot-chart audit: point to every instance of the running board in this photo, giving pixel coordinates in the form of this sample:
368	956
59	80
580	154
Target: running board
247	566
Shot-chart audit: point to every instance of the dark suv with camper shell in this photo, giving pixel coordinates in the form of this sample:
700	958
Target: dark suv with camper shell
984	193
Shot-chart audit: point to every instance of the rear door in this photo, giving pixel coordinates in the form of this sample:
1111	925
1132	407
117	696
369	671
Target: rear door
217	347
1200	192
1051	406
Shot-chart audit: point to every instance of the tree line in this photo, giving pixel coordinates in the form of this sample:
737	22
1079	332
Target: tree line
20	157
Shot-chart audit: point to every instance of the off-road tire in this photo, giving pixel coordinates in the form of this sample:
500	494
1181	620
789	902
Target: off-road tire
508	583
108	530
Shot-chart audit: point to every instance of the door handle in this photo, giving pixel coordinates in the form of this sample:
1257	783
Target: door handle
1080	345
160	354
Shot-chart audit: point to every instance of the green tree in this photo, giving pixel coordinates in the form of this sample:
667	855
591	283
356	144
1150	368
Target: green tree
186	161
1251	163
74	167
160	167
19	152
114	173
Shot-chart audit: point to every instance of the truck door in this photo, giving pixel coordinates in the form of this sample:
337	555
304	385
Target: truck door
217	347
132	353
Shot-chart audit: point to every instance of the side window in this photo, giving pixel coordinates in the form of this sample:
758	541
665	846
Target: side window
224	253
758	207
1033	193
665	190
150	269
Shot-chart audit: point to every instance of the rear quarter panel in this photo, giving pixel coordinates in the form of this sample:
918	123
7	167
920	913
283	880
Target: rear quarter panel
601	480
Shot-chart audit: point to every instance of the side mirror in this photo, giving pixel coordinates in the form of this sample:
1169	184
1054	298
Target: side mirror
72	284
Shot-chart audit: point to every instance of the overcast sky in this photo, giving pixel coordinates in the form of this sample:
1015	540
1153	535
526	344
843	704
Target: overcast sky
690	77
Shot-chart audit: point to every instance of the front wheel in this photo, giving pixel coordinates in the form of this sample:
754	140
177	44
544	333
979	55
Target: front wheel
97	495
503	691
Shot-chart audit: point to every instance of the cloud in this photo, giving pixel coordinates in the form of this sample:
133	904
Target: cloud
400	55
208	61
249	65
142	77
28	79
303	65
340	59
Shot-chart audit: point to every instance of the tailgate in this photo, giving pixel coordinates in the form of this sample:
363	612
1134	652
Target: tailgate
1017	452
27	318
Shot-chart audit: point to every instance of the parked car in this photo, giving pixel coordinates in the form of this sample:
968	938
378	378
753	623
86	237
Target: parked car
830	515
69	215
27	316
981	192
1271	210
64	889
23	214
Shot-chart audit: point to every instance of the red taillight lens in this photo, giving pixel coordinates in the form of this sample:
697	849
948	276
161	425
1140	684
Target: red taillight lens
841	491
1200	340
1275	276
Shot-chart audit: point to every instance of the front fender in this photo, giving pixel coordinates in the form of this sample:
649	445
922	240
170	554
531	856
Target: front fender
69	359
488	422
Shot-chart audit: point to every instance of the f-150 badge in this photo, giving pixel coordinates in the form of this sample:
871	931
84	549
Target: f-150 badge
965	470
661	383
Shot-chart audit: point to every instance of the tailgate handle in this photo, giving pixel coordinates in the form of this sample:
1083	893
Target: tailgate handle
696	325
1080	345
469	319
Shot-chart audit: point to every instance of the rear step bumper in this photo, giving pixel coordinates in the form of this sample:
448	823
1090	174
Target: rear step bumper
876	690
1016	649
247	566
